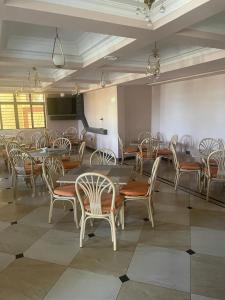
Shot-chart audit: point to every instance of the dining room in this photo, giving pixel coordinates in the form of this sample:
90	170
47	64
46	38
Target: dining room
112	150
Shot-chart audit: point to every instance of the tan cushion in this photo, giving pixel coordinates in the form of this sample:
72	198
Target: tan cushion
185	165
164	152
130	149
213	171
65	190
37	169
135	189
71	164
106	203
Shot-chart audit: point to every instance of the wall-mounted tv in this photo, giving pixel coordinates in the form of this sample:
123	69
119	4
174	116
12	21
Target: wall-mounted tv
62	106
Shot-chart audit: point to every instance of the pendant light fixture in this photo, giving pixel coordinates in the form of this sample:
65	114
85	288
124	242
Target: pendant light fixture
58	57
153	66
102	80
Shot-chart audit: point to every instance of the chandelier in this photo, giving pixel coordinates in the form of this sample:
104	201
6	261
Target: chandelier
102	80
58	57
76	90
146	10
153	66
34	79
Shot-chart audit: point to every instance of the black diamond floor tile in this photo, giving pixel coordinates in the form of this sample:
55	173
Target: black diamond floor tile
91	235
20	255
124	278
14	222
190	252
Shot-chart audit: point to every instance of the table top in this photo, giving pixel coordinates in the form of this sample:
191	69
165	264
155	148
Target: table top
48	152
118	174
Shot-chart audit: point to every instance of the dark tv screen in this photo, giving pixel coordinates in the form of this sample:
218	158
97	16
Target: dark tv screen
61	106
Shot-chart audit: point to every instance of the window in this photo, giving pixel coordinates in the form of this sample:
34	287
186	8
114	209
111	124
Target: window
22	111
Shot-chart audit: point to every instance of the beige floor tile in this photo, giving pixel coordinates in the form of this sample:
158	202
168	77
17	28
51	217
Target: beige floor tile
160	266
55	246
166	235
208	219
97	255
17	238
131	290
14	212
199	203
27	279
207	276
5	260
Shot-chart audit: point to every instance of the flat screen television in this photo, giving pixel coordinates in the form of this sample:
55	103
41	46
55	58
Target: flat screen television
62	106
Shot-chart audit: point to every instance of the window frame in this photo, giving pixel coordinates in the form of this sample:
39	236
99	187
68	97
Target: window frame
31	104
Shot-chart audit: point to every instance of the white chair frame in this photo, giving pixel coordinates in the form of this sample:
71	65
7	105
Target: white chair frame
179	171
208	145
148	198
19	158
52	167
123	151
216	159
91	186
63	143
103	156
148	149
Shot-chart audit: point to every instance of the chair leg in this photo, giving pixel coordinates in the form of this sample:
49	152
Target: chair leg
75	213
113	231
177	180
50	211
33	186
208	189
82	229
122	216
150	214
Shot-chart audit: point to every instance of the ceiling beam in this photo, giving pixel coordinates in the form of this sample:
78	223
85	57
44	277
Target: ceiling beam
203	38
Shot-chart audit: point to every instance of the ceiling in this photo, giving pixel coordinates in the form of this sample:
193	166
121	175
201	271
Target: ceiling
190	36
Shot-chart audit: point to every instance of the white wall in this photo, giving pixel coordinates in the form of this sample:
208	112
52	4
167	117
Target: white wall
134	110
103	104
195	107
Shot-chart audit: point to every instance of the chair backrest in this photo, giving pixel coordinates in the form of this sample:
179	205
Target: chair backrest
216	164
52	169
35	136
63	143
91	189
173	140
175	159
70	132
208	145
21	137
12	145
81	151
83	133
43	141
221	142
153	176
103	156
150	147
121	146
143	135
186	142
20	161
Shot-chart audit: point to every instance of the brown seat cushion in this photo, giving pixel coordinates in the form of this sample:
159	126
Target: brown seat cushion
37	169
106	203
213	171
185	165
135	189
164	152
130	149
71	164
67	190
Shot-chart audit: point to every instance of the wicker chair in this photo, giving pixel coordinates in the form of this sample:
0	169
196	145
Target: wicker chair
52	169
98	200
103	156
143	191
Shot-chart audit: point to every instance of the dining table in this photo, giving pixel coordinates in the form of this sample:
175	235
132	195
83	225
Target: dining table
120	175
48	152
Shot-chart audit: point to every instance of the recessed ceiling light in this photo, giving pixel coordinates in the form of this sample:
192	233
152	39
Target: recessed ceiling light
111	57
